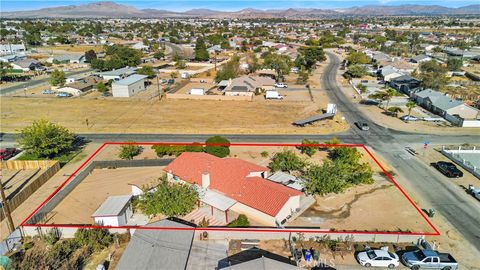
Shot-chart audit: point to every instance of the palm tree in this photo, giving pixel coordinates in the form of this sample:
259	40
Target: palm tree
410	105
389	93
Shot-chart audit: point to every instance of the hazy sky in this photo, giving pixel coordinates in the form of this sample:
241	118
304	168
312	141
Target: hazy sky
182	5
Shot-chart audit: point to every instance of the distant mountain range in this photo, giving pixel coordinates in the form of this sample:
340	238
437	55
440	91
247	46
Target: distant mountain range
114	10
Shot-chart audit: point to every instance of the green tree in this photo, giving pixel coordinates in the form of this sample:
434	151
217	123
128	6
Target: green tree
410	105
433	75
357	58
286	161
357	71
384	96
101	87
169	149
128	151
90	55
324	179
230	70
280	63
147	71
302	76
454	63
170	199
201	53
362	88
217	146
97	239
310	56
57	78
4	68
44	139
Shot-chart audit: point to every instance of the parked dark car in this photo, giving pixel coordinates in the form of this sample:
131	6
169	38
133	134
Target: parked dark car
171	81
7	153
363	126
448	169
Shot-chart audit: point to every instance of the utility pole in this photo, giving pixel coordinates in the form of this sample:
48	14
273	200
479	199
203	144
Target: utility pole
6	208
215	60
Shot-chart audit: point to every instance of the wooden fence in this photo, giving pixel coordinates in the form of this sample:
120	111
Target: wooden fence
51	167
27	164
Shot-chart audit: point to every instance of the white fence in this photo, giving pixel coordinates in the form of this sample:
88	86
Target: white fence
455	154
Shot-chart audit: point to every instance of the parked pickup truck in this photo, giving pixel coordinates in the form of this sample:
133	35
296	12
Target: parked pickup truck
429	259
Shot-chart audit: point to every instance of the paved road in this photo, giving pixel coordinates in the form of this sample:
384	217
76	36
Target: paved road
36	82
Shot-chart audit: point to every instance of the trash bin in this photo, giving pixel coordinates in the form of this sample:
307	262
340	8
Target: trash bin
431	213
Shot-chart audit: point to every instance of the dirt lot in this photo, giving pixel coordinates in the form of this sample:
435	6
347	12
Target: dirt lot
168	116
95	189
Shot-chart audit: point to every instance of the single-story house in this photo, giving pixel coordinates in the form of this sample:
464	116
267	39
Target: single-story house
77	88
455	111
115	211
158	249
388	73
67	58
129	86
406	84
6	49
26	64
248	85
12	58
117	74
140	46
420	59
244	184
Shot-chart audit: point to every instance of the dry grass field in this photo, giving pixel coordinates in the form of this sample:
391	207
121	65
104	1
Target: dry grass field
167	116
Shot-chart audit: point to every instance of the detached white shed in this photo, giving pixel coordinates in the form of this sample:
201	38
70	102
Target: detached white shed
115	211
129	86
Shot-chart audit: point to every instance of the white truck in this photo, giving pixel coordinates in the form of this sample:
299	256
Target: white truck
273	95
429	259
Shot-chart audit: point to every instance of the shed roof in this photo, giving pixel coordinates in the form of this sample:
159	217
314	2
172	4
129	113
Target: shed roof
158	249
131	79
217	200
281	177
119	72
112	206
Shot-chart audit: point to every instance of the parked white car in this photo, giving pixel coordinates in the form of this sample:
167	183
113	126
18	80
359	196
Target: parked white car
281	85
378	258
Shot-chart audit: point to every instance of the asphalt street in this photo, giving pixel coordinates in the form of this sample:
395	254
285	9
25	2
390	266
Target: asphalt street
431	188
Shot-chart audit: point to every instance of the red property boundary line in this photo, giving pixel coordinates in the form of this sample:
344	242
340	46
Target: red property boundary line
388	175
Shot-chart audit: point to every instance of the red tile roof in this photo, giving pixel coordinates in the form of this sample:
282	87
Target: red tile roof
230	177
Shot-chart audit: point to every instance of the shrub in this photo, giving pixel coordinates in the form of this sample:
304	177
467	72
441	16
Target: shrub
128	151
286	161
217	146
241	221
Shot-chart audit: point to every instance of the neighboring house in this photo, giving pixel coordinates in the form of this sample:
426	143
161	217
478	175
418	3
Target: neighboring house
77	88
248	85
237	186
26	65
6	49
140	46
455	111
158	249
380	56
214	49
115	211
12	58
420	59
388	73
67	59
262	263
406	84
129	86
117	74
